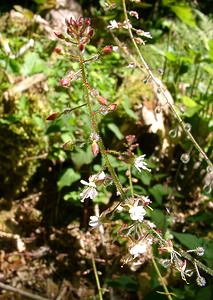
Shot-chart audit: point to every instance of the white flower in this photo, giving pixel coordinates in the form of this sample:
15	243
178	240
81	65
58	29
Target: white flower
140	163
113	24
137	213
89	192
94	221
138	249
134	14
147	34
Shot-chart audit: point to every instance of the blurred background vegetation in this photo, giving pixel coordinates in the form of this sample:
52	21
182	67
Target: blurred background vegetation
40	179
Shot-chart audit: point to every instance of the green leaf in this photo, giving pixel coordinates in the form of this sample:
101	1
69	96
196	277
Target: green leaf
114	128
128	110
146	177
184	13
210	45
170	56
188	240
68	177
159	219
158	191
82	157
32	64
191	106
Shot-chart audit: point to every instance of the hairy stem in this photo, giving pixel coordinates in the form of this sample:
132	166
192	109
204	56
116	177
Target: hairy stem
95	129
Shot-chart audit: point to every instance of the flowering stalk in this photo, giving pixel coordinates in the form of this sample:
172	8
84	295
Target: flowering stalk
95	129
161	90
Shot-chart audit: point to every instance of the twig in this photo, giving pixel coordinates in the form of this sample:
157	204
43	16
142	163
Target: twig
21	292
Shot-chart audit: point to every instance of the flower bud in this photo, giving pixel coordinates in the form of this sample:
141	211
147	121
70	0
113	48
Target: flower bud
58	50
59	35
53	116
91	32
87	21
102	100
64	82
107	49
81	47
112	106
95	148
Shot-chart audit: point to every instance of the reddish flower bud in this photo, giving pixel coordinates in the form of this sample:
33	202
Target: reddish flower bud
102	100
53	116
69	31
107	49
64	82
95	148
112	106
80	22
58	50
67	22
59	35
72	22
91	32
87	21
81	47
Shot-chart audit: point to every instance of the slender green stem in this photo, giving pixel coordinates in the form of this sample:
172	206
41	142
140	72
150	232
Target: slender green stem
97	278
161	279
194	80
130	180
162	90
95	129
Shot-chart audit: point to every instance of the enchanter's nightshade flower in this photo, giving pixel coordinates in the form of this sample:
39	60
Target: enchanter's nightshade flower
134	14
94	221
140	163
147	34
89	192
138	249
112	24
137	213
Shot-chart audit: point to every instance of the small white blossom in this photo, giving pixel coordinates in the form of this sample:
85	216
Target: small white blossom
94	221
90	191
140	163
138	249
112	25
147	34
137	213
133	13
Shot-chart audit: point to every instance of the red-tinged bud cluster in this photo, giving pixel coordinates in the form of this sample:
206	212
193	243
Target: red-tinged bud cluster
107	49
79	31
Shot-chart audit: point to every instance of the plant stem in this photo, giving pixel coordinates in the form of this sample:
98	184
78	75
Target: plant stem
95	129
97	278
161	279
130	180
162	91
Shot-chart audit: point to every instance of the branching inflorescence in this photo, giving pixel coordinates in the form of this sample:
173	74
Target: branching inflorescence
141	233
